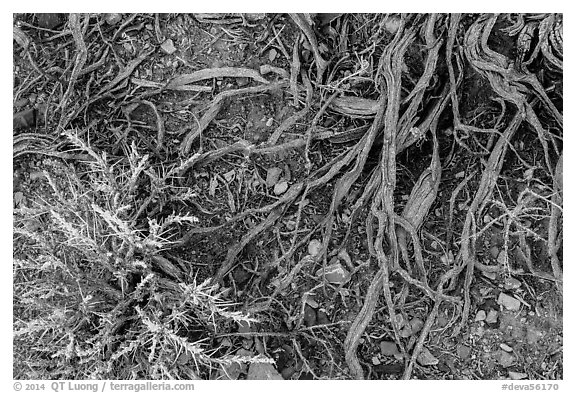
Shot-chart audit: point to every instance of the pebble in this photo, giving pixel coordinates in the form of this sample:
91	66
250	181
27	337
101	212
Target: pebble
375	360
280	188
480	316
425	358
506	347
411	328
314	247
322	317
243	81
389	348
168	46
311	302
508	302
269	122
309	316
21	103
516	376
113	18
511	283
490	275
273	175
18	198
288	372
263	371
272	54
334	273
494	251
463	351
506	359
244	327
492	316
502	258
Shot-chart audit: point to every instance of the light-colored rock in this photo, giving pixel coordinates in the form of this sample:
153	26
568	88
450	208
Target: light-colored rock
517	376
492	316
425	358
112	19
263	371
314	247
272	54
272	176
511	283
168	46
280	188
506	347
508	302
506	359
334	273
480	316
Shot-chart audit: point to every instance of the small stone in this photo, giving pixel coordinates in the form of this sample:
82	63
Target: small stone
36	175
511	283
244	327
487	218
272	176
502	258
506	359
463	351
241	82
314	247
508	302
50	20
272	54
417	324
506	347
288	372
168	46
494	251
309	316
490	275
322	317
480	316
425	358
334	273
263	371
112	19
18	198
392	24
229	176
492	316
280	188
230	371
517	376
269	122
389	348
21	103
254	17
375	360
311	302
434	244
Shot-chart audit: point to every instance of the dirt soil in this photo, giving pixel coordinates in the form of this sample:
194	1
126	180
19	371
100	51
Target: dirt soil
282	237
